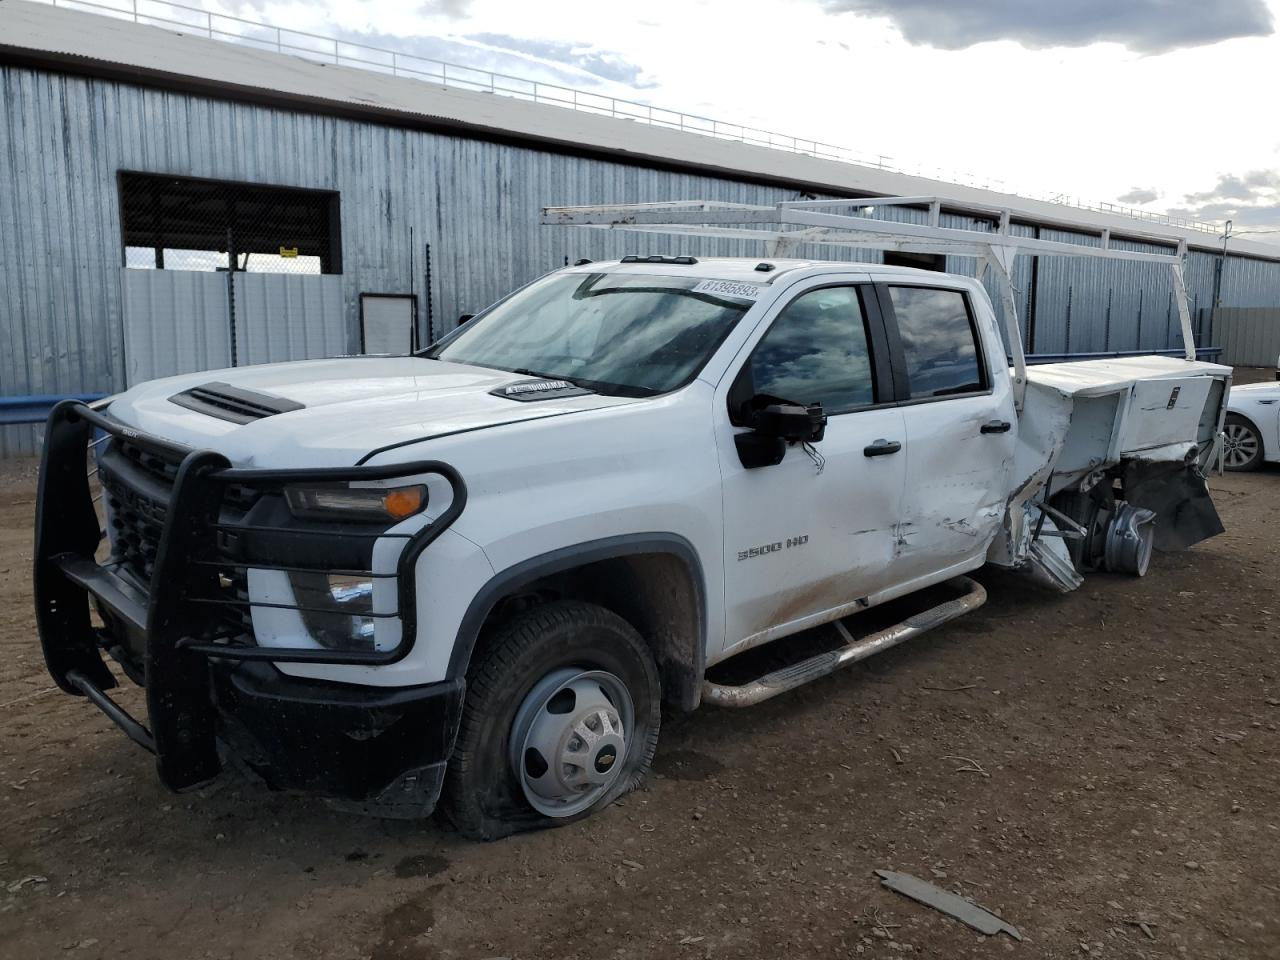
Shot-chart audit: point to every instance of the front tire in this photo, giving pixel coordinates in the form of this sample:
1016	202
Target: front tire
561	718
1242	445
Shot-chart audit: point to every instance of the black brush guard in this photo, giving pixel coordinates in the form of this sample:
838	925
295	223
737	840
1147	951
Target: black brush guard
174	624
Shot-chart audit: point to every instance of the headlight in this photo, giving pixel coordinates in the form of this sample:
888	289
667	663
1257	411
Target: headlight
356	503
335	609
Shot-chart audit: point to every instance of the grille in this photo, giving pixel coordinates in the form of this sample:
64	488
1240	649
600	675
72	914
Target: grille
137	485
234	621
136	522
136	510
238	498
161	469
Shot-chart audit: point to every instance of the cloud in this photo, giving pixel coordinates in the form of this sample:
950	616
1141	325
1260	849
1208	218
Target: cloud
1245	187
1139	195
1146	26
1249	200
577	65
1256	215
455	9
421	31
601	63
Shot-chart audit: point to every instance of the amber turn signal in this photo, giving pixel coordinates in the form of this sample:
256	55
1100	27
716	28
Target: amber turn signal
404	501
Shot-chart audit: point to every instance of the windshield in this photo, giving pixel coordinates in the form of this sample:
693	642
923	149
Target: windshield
629	334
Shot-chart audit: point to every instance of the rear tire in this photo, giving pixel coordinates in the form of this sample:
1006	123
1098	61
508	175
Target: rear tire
544	674
1242	450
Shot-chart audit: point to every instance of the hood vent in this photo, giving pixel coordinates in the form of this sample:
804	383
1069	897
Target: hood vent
226	402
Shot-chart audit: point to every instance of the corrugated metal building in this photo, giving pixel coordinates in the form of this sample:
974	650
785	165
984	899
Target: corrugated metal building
434	195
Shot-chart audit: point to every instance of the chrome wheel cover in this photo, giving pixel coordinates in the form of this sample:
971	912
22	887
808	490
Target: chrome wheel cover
569	739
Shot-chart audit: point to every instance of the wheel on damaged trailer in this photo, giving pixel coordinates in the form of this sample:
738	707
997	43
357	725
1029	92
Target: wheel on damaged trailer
1241	444
561	719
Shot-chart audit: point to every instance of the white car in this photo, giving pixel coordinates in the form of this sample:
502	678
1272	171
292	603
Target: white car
1251	433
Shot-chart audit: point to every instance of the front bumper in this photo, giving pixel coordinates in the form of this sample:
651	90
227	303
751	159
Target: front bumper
206	680
386	748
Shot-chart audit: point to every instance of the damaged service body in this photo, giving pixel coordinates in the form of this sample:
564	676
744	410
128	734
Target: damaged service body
1141	428
469	578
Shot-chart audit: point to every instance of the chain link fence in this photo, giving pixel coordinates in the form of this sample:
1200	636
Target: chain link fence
184	223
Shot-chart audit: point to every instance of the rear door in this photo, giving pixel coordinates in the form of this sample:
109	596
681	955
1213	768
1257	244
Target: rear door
816	531
952	384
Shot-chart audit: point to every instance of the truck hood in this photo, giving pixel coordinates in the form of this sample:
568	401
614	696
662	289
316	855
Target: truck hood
346	408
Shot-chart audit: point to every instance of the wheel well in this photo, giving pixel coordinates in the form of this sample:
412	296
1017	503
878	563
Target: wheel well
656	592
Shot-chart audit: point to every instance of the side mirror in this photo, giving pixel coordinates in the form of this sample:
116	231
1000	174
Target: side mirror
792	423
777	423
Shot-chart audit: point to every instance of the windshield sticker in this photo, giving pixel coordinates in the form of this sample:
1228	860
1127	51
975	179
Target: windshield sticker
729	288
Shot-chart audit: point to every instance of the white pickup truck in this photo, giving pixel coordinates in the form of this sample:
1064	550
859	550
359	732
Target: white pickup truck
470	577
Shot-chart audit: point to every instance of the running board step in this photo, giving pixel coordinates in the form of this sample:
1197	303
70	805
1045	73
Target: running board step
788	678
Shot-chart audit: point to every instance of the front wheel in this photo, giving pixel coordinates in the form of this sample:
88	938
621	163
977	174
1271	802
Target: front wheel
561	719
1242	444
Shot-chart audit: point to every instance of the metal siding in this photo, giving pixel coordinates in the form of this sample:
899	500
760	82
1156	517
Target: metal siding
63	138
1058	302
282	316
59	247
484	231
1250	336
1090	305
1250	283
175	321
1020	276
1199	273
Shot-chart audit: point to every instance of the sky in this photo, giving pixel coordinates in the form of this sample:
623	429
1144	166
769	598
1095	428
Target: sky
1164	105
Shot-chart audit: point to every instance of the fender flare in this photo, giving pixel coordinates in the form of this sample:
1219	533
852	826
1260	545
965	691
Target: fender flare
566	558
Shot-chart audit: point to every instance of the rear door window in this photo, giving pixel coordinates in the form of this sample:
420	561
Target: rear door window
939	342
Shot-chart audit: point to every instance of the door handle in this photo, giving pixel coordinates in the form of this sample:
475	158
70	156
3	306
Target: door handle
996	426
881	448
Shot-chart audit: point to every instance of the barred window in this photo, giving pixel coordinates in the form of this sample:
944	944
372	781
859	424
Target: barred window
185	223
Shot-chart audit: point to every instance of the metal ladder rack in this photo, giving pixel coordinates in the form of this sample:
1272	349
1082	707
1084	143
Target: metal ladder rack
784	226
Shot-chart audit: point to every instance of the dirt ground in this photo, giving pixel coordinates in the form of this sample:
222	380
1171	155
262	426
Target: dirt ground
1130	771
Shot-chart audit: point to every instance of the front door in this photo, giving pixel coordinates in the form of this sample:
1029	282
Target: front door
816	531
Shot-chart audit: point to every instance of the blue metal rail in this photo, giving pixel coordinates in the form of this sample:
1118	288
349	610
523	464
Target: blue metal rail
36	409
